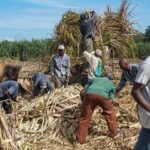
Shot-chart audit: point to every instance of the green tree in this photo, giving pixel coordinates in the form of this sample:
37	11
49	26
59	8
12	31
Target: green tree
147	33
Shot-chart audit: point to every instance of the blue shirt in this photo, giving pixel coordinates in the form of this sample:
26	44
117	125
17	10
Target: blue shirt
87	25
60	66
11	87
37	79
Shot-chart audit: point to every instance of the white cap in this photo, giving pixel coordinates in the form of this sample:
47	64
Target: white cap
61	47
98	52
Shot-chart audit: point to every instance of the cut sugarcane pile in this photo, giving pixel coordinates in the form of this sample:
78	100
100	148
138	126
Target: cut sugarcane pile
50	121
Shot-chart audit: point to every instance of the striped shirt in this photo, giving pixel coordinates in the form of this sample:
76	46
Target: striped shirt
60	66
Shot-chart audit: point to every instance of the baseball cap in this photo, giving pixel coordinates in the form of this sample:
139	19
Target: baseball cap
61	47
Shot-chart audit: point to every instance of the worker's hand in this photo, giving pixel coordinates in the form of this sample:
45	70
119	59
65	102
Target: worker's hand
6	93
67	79
53	78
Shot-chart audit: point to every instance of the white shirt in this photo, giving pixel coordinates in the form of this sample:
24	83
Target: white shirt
93	63
143	77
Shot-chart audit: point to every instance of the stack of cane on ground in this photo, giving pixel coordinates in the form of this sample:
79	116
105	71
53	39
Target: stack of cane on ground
50	122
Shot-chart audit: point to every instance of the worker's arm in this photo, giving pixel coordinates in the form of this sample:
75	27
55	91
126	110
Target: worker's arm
121	84
13	92
87	56
138	97
51	65
142	79
68	67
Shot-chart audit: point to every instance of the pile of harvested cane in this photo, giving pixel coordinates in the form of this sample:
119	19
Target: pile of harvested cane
50	121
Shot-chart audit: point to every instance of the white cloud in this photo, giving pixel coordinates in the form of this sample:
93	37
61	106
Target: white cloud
52	3
28	22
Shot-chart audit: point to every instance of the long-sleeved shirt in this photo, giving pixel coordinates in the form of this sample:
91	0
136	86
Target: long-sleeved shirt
60	66
11	87
95	64
128	76
102	87
38	79
86	26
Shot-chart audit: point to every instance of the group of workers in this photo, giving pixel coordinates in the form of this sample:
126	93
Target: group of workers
99	90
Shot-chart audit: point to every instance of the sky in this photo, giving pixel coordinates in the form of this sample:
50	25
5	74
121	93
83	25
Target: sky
36	19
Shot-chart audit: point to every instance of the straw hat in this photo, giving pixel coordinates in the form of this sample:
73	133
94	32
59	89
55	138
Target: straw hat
26	84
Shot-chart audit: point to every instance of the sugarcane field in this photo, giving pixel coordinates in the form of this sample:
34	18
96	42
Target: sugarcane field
85	85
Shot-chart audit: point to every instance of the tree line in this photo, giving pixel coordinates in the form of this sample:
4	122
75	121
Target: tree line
40	48
143	44
24	49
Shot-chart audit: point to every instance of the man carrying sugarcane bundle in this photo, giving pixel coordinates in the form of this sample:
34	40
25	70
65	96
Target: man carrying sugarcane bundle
8	91
87	22
41	84
94	62
139	77
60	68
99	92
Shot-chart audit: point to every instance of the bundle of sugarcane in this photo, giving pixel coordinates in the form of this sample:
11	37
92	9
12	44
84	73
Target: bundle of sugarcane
112	28
67	32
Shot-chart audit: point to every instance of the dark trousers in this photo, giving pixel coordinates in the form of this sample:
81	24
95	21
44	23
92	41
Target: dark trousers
90	101
143	142
7	106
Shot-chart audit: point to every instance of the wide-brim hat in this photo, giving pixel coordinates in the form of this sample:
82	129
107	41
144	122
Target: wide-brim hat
25	84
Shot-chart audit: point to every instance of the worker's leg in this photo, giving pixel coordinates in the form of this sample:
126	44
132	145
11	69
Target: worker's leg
88	107
143	142
110	115
64	81
89	45
57	82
